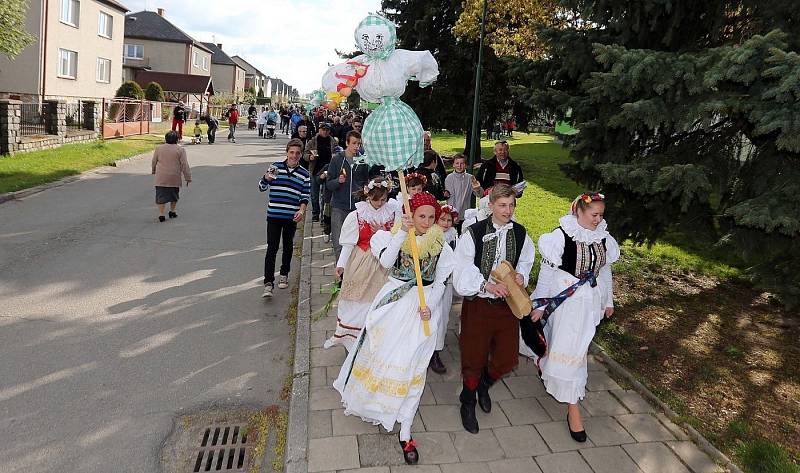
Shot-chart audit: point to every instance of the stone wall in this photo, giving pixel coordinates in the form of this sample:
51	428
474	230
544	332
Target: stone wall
12	141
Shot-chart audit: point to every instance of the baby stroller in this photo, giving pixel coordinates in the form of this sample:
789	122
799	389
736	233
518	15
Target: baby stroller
251	121
270	132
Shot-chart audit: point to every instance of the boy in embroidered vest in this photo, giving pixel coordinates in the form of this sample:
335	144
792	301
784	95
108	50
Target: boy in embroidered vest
489	330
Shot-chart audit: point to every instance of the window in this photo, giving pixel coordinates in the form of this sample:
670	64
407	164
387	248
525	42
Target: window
205	63
103	70
194	59
105	25
67	63
134	51
70	12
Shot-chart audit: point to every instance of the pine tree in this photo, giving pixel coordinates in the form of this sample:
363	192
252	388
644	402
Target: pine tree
130	89
154	92
689	118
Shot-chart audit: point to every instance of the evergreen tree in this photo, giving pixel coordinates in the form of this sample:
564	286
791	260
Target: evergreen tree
689	118
427	24
154	92
13	37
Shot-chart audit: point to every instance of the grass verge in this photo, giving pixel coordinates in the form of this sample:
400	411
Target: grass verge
24	170
720	353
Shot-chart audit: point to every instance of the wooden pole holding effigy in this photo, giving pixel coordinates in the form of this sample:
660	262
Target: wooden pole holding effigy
412	238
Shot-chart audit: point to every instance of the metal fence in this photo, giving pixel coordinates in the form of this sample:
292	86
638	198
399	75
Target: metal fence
34	119
75	116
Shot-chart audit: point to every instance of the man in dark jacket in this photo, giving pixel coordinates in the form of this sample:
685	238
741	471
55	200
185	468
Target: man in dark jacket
499	169
213	125
345	176
178	117
318	153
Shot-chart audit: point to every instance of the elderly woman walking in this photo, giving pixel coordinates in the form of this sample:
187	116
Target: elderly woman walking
169	164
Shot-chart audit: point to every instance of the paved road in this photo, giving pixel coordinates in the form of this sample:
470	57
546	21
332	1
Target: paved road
112	324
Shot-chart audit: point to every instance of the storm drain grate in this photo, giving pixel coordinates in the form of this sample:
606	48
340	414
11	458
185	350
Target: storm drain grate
223	448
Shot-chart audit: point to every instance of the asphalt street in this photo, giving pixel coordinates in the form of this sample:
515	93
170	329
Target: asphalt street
112	324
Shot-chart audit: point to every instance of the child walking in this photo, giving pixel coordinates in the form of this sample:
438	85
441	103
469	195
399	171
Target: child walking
445	222
359	270
383	377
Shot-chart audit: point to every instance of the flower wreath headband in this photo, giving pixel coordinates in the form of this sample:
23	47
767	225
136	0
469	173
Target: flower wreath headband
588	198
372	184
419	176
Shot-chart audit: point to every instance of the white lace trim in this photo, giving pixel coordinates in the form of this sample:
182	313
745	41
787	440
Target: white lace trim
380	216
580	234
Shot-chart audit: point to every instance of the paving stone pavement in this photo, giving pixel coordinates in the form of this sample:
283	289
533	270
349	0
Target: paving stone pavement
526	431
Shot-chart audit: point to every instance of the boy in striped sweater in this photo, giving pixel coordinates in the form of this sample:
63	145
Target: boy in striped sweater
289	187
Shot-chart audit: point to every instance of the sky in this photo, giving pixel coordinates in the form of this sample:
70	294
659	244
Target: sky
293	40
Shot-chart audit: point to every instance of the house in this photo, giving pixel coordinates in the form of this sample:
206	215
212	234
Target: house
228	76
153	43
253	77
76	54
156	50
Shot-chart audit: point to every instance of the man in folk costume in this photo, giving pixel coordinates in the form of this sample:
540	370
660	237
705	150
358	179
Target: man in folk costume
489	330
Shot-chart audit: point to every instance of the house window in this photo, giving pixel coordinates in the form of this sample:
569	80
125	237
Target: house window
67	63
134	51
70	12
105	25
205	63
194	59
103	70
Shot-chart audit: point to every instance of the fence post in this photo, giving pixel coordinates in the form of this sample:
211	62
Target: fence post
57	117
10	114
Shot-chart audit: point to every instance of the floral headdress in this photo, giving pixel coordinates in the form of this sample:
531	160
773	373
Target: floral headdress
588	198
385	183
450	210
417	175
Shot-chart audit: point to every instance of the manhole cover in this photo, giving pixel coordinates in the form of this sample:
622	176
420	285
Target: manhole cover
223	448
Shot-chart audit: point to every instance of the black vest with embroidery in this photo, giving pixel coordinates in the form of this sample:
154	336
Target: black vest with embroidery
484	254
579	258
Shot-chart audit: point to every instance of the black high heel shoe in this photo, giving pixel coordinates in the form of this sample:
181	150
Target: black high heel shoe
410	453
576	436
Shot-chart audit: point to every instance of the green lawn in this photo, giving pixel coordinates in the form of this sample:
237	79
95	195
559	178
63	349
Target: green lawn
550	193
24	170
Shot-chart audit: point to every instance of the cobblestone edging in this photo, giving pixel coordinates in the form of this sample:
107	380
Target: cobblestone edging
6	196
696	436
297	433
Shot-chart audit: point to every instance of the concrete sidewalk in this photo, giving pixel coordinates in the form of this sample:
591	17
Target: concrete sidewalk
526	431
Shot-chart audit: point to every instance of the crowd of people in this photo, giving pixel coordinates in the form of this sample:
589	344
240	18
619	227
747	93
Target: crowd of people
393	330
391	336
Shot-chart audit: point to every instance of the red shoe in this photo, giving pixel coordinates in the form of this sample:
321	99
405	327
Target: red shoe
410	453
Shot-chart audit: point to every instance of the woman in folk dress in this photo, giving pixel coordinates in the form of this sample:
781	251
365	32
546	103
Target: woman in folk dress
383	377
446	219
575	284
361	274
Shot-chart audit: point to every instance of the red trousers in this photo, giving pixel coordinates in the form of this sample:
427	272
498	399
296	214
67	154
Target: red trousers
179	125
489	337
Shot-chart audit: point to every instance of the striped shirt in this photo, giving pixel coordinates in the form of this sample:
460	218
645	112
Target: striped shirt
287	191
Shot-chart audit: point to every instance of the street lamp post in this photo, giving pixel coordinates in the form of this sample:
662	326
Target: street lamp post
475	139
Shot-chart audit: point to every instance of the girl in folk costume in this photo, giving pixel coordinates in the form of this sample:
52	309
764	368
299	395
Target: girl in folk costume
574	286
446	219
383	377
361	274
415	183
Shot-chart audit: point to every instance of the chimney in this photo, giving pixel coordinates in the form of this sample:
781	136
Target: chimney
161	12
219	45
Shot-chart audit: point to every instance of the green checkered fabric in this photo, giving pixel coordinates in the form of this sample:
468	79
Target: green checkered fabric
392	136
377	20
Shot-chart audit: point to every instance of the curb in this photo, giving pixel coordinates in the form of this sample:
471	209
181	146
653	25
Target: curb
14	195
696	436
296	460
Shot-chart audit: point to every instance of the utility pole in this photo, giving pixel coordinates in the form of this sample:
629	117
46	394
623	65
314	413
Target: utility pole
475	139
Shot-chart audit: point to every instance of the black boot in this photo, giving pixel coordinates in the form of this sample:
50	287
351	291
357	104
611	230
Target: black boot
436	364
468	402
483	391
